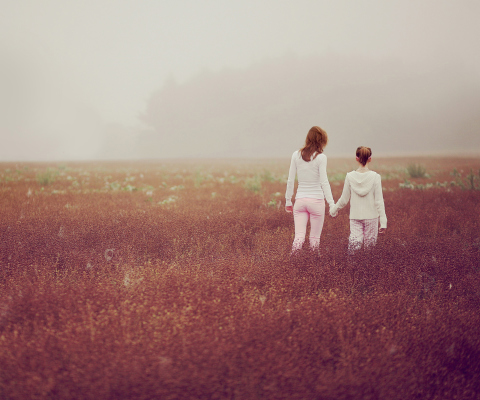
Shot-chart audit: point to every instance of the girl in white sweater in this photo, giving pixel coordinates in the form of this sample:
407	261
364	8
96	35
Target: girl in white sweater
310	165
363	188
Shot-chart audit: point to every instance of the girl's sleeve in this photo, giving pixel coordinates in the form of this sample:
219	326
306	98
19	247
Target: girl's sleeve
327	191
291	181
344	198
379	204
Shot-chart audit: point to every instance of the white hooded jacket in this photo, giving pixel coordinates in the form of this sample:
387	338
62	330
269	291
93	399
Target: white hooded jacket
364	190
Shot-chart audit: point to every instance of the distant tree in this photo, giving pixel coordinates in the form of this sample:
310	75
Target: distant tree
266	109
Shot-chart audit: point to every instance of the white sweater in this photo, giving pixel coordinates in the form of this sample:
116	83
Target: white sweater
312	179
364	190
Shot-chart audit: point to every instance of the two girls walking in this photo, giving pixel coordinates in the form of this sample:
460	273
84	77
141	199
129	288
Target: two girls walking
363	188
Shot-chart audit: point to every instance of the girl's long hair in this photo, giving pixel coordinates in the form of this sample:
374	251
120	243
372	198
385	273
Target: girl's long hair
315	142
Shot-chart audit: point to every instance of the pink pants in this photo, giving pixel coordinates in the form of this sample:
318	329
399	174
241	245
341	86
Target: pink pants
304	209
362	231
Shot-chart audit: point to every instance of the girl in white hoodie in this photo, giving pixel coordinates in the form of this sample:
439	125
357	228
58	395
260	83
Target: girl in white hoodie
363	188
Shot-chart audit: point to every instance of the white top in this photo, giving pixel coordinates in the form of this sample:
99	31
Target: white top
312	179
364	190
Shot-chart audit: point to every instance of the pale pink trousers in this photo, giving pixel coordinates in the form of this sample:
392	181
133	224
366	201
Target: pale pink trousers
303	210
362	232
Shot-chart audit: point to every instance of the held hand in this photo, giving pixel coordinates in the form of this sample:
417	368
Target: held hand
332	210
382	230
289	209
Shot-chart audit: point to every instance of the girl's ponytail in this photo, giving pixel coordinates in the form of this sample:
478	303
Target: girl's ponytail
363	154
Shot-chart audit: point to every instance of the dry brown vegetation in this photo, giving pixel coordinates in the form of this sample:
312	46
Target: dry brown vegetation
174	280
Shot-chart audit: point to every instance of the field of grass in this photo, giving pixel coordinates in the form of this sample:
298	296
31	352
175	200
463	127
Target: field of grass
173	280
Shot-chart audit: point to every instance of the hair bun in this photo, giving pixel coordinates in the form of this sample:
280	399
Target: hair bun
363	154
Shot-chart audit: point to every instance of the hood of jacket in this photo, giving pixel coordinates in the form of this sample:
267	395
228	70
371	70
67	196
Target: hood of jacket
362	182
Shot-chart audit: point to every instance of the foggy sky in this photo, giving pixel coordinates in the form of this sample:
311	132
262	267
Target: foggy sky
78	80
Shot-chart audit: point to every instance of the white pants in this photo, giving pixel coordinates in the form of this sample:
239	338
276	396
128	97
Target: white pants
305	209
362	232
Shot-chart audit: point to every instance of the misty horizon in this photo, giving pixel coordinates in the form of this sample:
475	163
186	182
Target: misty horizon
96	82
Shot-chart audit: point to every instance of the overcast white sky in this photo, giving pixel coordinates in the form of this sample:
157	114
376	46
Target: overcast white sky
98	61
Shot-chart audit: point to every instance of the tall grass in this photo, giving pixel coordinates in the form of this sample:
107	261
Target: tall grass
416	171
45	178
114	297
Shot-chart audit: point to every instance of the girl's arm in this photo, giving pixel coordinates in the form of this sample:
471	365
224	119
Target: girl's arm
291	181
343	200
379	204
327	191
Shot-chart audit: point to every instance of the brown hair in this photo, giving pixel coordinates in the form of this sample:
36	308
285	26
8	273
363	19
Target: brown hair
315	142
363	154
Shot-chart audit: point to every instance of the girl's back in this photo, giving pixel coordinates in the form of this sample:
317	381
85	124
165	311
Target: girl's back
308	174
364	190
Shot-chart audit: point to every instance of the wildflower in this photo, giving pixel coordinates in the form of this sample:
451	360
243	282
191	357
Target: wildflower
393	349
109	254
126	280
